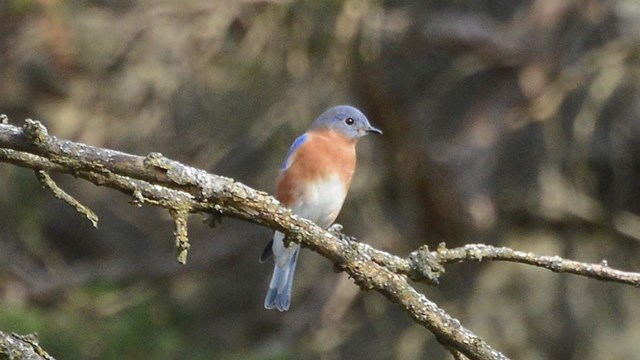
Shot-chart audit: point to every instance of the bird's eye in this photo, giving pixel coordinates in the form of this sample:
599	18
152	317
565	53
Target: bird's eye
349	121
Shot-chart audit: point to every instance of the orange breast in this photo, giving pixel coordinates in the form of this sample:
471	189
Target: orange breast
326	152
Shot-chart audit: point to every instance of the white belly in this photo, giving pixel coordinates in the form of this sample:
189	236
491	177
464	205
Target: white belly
321	201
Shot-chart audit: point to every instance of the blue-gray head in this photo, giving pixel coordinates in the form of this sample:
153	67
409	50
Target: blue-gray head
346	120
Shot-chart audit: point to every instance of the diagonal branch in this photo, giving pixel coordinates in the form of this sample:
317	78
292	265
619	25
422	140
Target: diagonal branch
160	181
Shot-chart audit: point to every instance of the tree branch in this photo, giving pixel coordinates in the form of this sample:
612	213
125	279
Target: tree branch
160	181
426	266
156	180
480	252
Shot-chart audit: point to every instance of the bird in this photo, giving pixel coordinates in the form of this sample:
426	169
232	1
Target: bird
313	182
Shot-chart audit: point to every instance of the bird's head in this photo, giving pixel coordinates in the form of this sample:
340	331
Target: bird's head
346	120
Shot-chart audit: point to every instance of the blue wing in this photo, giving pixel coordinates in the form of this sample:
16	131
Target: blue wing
295	146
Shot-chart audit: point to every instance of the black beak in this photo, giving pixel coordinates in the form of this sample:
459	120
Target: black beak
374	130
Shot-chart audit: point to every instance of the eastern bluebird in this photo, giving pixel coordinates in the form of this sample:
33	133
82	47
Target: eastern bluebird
313	182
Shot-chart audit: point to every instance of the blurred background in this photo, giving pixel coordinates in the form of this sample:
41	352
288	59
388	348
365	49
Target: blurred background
508	123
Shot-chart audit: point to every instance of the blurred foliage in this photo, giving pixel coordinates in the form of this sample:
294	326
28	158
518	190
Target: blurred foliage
506	122
94	307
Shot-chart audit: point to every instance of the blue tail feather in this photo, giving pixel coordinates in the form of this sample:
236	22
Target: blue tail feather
279	293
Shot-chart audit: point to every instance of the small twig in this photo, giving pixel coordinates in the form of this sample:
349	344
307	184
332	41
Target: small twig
48	183
480	252
180	218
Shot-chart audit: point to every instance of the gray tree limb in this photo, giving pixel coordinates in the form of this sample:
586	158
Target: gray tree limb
156	180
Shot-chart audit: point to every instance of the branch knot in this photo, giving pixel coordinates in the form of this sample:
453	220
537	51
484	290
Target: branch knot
425	266
35	131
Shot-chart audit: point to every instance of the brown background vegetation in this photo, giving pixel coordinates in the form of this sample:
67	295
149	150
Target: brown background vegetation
506	122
